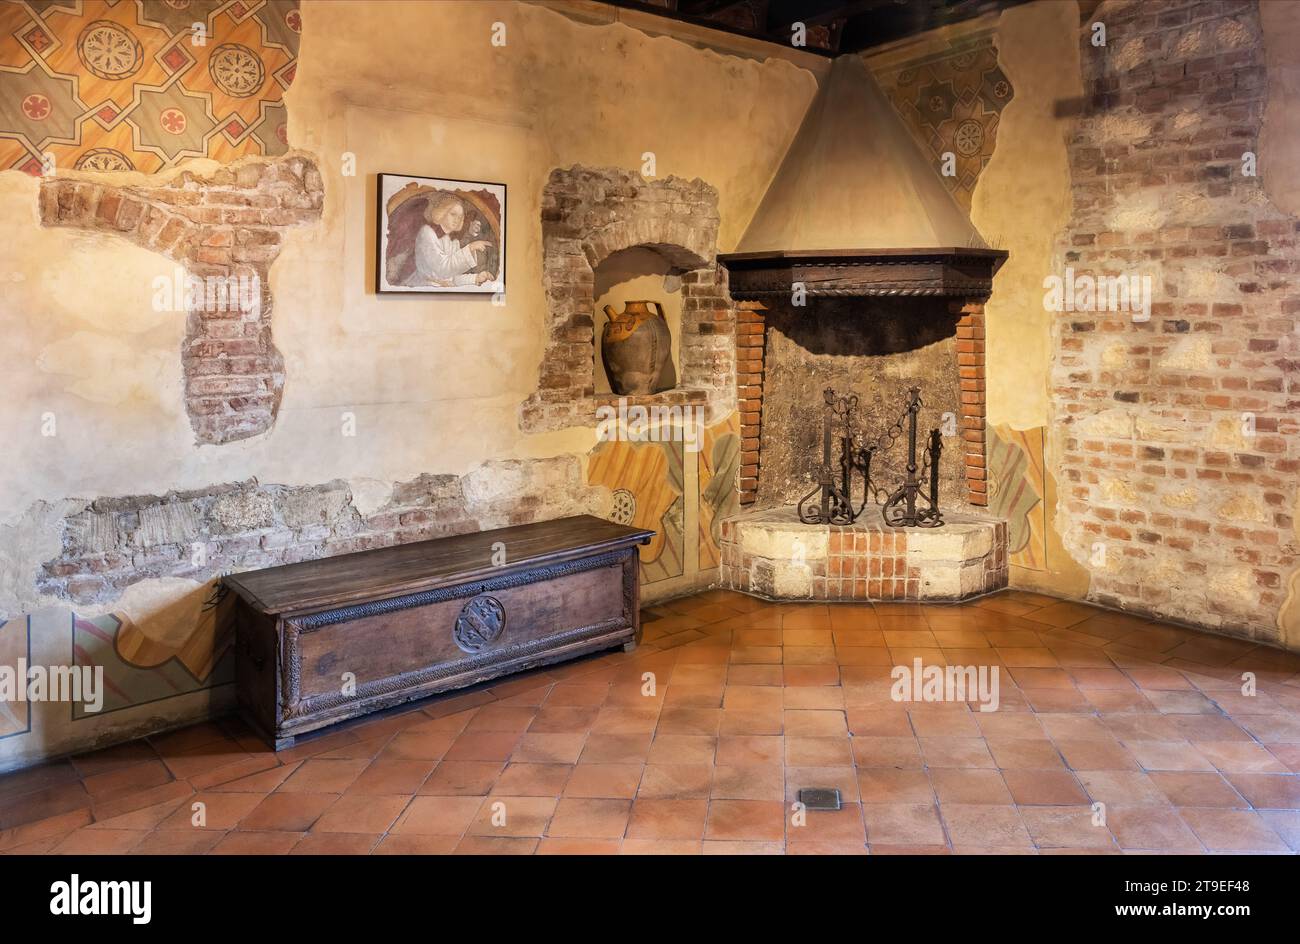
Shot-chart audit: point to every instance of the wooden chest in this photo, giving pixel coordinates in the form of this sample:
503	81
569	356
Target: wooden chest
322	641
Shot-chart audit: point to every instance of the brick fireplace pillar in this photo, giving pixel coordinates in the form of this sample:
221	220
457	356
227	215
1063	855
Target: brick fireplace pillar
751	333
970	369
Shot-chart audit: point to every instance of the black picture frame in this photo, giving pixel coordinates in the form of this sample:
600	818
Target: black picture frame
475	198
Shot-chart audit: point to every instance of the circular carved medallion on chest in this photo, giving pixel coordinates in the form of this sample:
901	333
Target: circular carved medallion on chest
480	623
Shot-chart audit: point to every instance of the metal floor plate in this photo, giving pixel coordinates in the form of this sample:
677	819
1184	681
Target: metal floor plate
820	798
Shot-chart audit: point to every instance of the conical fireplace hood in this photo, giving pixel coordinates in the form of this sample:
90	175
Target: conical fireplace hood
856	208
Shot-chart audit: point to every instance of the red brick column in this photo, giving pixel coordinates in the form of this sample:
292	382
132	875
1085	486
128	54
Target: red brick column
970	369
751	334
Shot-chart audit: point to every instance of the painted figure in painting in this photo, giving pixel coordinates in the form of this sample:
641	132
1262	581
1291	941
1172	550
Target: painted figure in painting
442	239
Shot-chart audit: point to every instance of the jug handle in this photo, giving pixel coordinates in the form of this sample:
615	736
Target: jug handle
659	307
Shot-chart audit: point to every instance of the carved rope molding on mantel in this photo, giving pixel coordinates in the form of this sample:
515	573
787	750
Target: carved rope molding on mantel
226	228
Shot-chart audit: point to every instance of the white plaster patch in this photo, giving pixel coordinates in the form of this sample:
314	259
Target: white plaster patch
1193	208
799	542
166	610
1228	432
1190	43
1202	284
26	544
1191	353
1243	508
1162	429
1118	490
369	495
1130	55
955	541
1183	498
1233	583
1117	128
1141	212
1108	424
791	581
1115	355
1233	34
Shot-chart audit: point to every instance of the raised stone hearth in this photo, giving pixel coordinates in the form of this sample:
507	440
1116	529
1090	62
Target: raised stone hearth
773	555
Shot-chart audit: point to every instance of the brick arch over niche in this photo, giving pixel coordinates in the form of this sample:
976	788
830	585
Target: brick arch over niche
588	214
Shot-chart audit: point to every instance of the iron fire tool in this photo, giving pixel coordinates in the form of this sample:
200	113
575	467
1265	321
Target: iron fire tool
831	501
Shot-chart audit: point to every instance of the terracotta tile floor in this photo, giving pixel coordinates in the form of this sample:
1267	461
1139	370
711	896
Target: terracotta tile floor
750	702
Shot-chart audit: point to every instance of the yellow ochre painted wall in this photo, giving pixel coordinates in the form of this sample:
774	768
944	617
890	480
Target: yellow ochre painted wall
435	383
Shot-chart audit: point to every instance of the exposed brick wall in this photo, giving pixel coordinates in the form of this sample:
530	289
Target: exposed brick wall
227	225
1169	498
587	215
114	542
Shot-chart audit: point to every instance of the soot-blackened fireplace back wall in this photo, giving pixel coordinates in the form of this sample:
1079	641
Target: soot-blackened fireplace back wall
874	348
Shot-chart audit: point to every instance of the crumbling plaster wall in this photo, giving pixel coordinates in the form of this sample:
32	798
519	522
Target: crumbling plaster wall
427	385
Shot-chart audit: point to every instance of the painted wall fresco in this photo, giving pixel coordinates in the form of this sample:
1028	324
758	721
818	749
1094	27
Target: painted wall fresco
15	645
139	669
1015	490
100	355
648	486
951	98
129	86
719	493
56	637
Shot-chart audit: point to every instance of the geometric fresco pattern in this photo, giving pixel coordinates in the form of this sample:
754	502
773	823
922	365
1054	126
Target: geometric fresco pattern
648	486
952	102
143	84
719	480
129	680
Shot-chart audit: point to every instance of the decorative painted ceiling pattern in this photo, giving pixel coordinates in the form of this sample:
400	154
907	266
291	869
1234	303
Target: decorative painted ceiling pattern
952	101
135	85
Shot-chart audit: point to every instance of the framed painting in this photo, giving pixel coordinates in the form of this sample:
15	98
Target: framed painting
440	236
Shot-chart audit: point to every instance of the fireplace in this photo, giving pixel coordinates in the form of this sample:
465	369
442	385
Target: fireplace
868	327
826	298
875	325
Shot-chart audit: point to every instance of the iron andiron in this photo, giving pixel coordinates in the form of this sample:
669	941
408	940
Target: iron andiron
913	504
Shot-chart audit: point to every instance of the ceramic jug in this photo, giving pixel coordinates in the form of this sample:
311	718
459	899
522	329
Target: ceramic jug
636	348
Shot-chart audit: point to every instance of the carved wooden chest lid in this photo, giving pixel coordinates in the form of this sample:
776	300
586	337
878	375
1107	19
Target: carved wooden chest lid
409	568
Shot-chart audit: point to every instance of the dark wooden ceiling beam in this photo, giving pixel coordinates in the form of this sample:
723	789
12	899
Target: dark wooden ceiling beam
713	24
783	14
703	7
835	26
899	19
